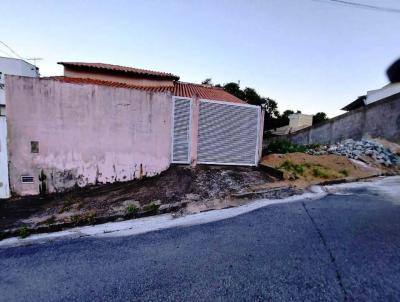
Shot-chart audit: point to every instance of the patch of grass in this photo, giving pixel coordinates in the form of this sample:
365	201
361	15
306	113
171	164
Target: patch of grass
132	209
319	172
344	172
152	207
23	232
291	167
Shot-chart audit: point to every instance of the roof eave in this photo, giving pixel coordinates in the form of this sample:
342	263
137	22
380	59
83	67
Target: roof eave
155	76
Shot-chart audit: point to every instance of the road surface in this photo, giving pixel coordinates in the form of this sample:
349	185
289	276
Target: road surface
345	246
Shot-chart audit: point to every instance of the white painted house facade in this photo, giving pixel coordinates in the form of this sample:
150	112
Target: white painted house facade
9	66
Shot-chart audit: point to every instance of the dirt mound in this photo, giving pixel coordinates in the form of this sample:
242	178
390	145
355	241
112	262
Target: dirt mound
177	185
309	169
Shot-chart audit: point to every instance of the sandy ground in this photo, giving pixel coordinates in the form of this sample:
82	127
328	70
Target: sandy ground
300	169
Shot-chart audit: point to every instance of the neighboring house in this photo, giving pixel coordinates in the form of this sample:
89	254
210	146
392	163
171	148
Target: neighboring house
374	96
297	121
9	66
13	66
102	123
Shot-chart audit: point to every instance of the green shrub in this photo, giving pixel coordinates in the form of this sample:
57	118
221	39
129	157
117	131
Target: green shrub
344	172
285	146
23	232
318	172
292	167
132	209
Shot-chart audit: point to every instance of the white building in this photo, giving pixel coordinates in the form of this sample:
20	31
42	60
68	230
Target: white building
13	66
297	121
373	96
9	66
382	93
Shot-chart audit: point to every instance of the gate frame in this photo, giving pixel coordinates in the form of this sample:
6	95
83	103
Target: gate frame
6	184
174	98
255	164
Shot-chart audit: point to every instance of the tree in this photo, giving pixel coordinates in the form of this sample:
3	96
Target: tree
252	97
284	119
271	108
233	88
207	81
319	118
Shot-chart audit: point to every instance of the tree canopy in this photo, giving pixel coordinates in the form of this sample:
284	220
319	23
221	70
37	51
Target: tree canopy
319	118
273	118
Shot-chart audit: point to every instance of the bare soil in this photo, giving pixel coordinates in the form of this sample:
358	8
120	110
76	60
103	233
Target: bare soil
181	190
174	188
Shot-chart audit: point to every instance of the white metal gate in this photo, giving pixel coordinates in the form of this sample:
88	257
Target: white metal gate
4	183
181	127
228	133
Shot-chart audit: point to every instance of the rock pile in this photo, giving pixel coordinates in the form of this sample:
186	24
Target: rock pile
358	149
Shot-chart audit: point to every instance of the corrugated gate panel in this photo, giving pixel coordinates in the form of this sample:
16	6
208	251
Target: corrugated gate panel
181	131
228	134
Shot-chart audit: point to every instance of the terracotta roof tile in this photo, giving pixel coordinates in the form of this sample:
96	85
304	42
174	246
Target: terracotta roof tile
130	70
179	89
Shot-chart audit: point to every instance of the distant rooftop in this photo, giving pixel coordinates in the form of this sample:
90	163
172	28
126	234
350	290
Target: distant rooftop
181	89
359	102
21	60
121	69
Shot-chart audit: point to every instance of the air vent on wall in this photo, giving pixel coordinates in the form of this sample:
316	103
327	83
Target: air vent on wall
26	179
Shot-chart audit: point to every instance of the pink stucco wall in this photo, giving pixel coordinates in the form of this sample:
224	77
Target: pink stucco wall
87	134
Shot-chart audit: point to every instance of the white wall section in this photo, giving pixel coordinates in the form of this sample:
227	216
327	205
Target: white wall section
4	183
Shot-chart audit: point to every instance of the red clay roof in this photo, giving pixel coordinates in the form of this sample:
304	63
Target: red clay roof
179	89
124	69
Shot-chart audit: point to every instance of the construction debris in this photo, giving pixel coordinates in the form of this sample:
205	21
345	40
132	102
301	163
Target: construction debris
359	149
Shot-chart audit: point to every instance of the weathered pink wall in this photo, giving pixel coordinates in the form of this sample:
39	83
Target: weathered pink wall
87	134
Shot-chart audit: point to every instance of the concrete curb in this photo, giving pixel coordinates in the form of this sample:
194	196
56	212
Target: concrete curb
16	232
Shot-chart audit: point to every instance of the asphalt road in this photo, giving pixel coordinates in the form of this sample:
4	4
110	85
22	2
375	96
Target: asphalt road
341	247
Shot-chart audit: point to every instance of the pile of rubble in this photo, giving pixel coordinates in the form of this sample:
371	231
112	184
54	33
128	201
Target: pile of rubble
358	149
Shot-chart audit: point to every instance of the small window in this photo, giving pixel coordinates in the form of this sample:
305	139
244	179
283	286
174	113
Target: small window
34	147
26	179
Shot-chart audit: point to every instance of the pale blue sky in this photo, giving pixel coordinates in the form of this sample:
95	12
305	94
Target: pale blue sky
308	55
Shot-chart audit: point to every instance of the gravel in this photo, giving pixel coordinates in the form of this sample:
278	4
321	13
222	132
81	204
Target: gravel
358	149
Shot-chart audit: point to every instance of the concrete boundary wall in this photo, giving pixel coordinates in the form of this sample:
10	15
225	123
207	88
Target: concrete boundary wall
379	119
83	134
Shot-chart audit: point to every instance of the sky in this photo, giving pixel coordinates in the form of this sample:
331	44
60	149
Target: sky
308	55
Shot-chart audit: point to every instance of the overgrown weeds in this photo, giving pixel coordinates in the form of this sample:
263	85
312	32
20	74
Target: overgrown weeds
293	168
132	209
282	146
23	232
307	170
320	173
152	207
